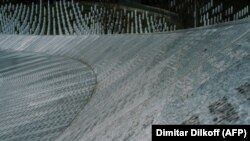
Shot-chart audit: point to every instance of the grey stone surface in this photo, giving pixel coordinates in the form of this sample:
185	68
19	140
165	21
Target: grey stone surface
40	95
198	76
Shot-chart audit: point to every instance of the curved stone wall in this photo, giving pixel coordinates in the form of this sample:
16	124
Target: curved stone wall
40	95
197	76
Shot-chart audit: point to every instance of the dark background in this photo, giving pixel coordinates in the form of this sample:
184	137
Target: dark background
186	17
